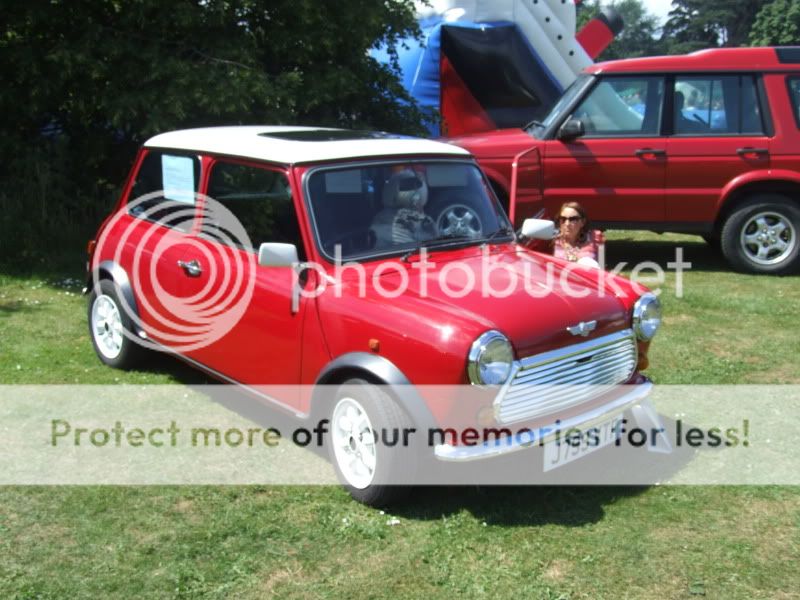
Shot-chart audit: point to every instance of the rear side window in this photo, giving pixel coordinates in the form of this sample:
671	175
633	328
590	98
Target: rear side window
165	189
716	105
261	200
794	97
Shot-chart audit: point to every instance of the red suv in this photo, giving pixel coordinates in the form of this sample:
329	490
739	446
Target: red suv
705	143
363	264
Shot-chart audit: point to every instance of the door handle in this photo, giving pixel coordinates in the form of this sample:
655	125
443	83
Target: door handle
191	268
756	151
654	152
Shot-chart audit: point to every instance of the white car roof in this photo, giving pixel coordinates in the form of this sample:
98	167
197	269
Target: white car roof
296	145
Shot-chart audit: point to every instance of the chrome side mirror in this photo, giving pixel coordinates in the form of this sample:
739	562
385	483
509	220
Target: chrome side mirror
539	229
277	255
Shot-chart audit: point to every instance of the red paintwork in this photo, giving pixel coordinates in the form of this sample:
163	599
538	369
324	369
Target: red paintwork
427	339
683	190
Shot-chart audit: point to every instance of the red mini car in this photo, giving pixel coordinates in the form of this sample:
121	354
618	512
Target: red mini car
288	255
705	143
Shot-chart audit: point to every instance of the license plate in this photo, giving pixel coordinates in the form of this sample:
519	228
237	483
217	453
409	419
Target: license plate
558	453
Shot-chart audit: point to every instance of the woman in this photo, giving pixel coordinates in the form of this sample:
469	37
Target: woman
575	241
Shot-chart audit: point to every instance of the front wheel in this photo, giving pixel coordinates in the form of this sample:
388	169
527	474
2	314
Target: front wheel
366	444
762	235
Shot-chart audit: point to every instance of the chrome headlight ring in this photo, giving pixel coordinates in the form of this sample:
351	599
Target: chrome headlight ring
490	359
646	317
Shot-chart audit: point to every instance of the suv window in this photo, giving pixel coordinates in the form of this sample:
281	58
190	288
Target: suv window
261	199
794	97
722	105
165	189
623	106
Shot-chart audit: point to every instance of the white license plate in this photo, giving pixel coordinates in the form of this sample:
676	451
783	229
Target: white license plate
557	454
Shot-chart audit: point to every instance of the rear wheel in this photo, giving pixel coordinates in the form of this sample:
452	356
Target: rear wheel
762	235
110	328
363	418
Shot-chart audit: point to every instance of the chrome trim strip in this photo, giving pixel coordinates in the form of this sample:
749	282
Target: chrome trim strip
503	446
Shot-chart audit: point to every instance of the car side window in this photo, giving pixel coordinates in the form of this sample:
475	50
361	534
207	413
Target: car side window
794	97
261	200
165	190
623	106
719	105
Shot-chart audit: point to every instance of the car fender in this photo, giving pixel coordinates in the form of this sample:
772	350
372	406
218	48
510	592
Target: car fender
108	269
767	176
377	369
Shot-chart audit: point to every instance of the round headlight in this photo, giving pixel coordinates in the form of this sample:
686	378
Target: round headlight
646	317
490	359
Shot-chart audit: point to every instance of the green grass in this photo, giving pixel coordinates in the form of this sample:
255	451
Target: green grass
300	542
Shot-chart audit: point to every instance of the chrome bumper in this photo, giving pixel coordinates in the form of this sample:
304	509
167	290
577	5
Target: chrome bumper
506	445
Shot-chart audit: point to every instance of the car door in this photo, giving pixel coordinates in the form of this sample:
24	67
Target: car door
718	133
616	169
156	232
253	313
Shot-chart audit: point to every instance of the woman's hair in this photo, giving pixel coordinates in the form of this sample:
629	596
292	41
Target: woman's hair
581	212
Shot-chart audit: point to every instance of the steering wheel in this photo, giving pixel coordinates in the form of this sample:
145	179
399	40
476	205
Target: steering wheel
459	220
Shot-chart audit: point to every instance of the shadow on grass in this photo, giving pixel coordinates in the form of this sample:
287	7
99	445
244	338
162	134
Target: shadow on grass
9	308
516	505
702	256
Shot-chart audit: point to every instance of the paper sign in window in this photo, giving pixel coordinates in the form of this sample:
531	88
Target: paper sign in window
177	174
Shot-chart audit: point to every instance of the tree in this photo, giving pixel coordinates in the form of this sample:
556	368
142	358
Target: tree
777	24
86	81
638	38
697	24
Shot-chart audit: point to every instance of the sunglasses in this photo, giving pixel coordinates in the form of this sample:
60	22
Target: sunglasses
569	219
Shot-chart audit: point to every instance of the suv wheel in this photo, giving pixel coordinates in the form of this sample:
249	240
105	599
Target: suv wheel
110	327
762	235
368	468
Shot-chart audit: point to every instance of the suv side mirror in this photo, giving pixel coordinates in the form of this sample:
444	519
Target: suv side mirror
539	229
571	129
277	255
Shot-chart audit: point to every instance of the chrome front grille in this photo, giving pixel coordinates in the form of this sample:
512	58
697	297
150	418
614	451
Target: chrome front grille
560	379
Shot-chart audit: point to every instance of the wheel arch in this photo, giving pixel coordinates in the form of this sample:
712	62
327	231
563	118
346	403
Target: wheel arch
111	271
379	371
740	190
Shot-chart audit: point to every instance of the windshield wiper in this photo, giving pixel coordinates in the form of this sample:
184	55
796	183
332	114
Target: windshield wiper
497	233
529	124
441	242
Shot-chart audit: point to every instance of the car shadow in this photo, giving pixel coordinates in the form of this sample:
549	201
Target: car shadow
702	255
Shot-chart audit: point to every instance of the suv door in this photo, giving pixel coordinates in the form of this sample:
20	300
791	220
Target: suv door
718	133
261	345
616	169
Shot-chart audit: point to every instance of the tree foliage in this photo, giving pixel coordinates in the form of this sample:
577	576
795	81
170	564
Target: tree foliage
777	24
697	24
86	81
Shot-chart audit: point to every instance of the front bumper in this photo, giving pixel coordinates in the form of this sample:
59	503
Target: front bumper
586	420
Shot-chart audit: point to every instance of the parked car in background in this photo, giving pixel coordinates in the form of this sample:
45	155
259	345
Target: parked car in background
168	272
705	143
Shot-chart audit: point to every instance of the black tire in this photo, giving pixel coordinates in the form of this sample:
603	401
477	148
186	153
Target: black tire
776	219
394	466
128	354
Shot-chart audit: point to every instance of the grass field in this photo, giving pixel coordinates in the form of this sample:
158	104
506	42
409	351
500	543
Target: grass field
554	542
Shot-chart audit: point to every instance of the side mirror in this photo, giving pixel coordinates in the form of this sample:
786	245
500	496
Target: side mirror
573	128
539	229
277	255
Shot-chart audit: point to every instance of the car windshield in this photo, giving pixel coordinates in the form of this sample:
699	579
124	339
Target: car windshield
538	128
375	209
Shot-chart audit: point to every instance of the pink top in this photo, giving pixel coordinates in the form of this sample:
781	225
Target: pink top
585	248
